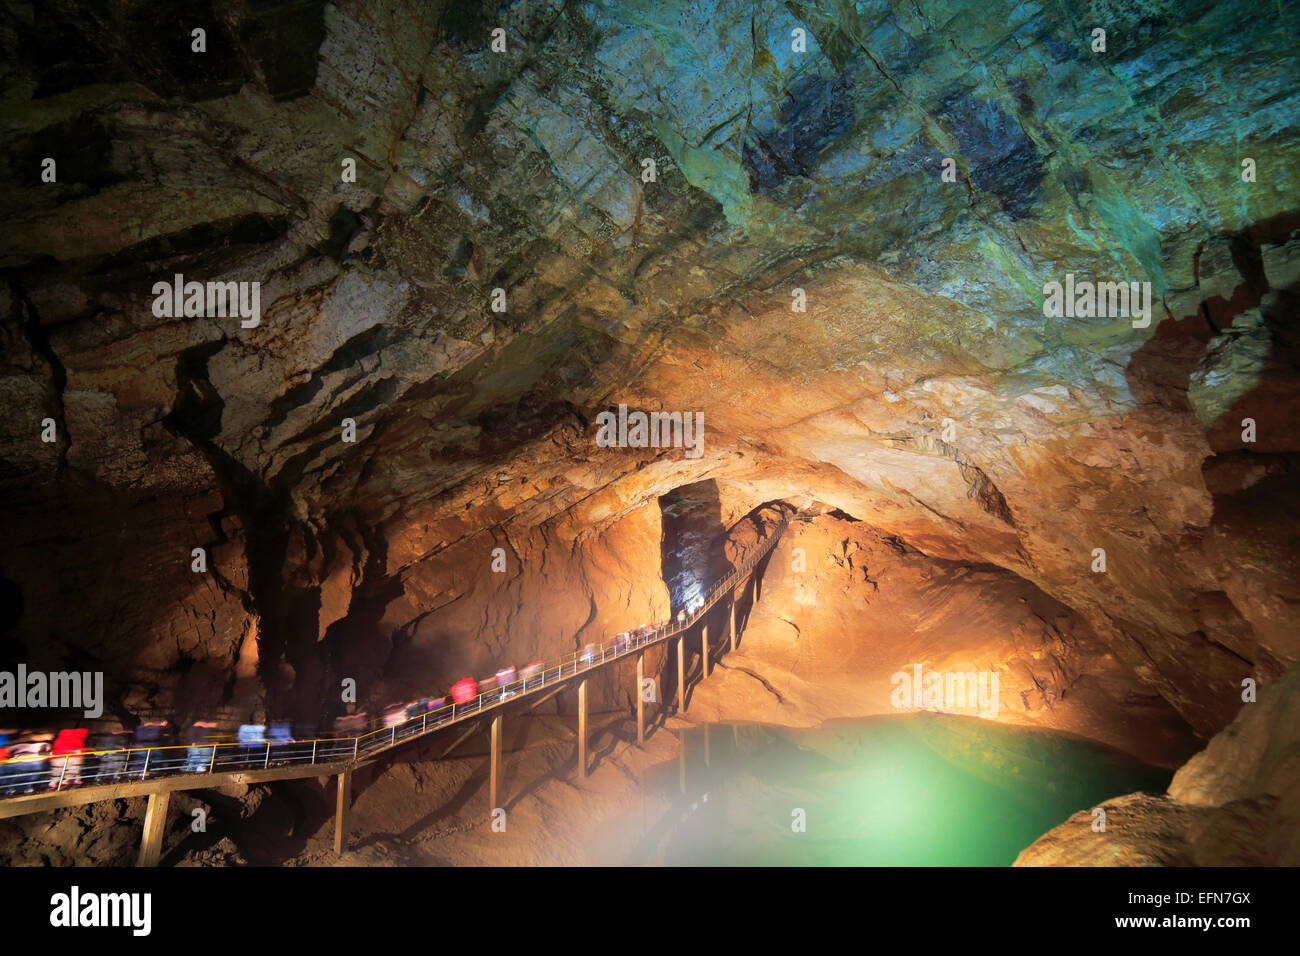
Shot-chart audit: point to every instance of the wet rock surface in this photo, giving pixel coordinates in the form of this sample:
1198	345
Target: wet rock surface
1236	803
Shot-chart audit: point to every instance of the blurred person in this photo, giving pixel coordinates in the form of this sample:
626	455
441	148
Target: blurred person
350	725
198	758
31	761
252	740
110	762
150	734
280	733
425	705
5	754
464	690
530	671
69	745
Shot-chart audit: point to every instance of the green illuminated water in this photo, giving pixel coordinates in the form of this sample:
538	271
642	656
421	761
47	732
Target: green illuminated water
913	790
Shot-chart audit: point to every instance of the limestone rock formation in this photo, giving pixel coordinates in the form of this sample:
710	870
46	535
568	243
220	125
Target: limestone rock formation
923	391
1236	803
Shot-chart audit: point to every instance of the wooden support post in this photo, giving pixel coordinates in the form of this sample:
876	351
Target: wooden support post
704	649
342	810
155	823
681	674
640	698
731	617
582	729
494	772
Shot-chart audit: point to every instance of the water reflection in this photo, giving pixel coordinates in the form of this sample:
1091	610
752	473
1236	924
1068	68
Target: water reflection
908	790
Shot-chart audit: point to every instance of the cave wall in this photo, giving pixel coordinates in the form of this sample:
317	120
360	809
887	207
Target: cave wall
846	608
451	615
523	171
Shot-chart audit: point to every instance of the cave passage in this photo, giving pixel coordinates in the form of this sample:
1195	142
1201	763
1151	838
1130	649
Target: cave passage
694	537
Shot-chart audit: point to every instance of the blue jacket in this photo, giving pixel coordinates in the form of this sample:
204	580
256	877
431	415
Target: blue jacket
252	733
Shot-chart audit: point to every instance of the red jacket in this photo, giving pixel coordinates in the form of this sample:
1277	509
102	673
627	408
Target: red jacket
69	742
464	690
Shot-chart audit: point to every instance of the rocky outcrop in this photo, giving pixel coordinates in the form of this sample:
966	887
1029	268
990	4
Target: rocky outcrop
1236	803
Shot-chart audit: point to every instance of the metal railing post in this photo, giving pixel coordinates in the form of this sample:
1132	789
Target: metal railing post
212	764
356	743
62	771
267	762
313	751
147	754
